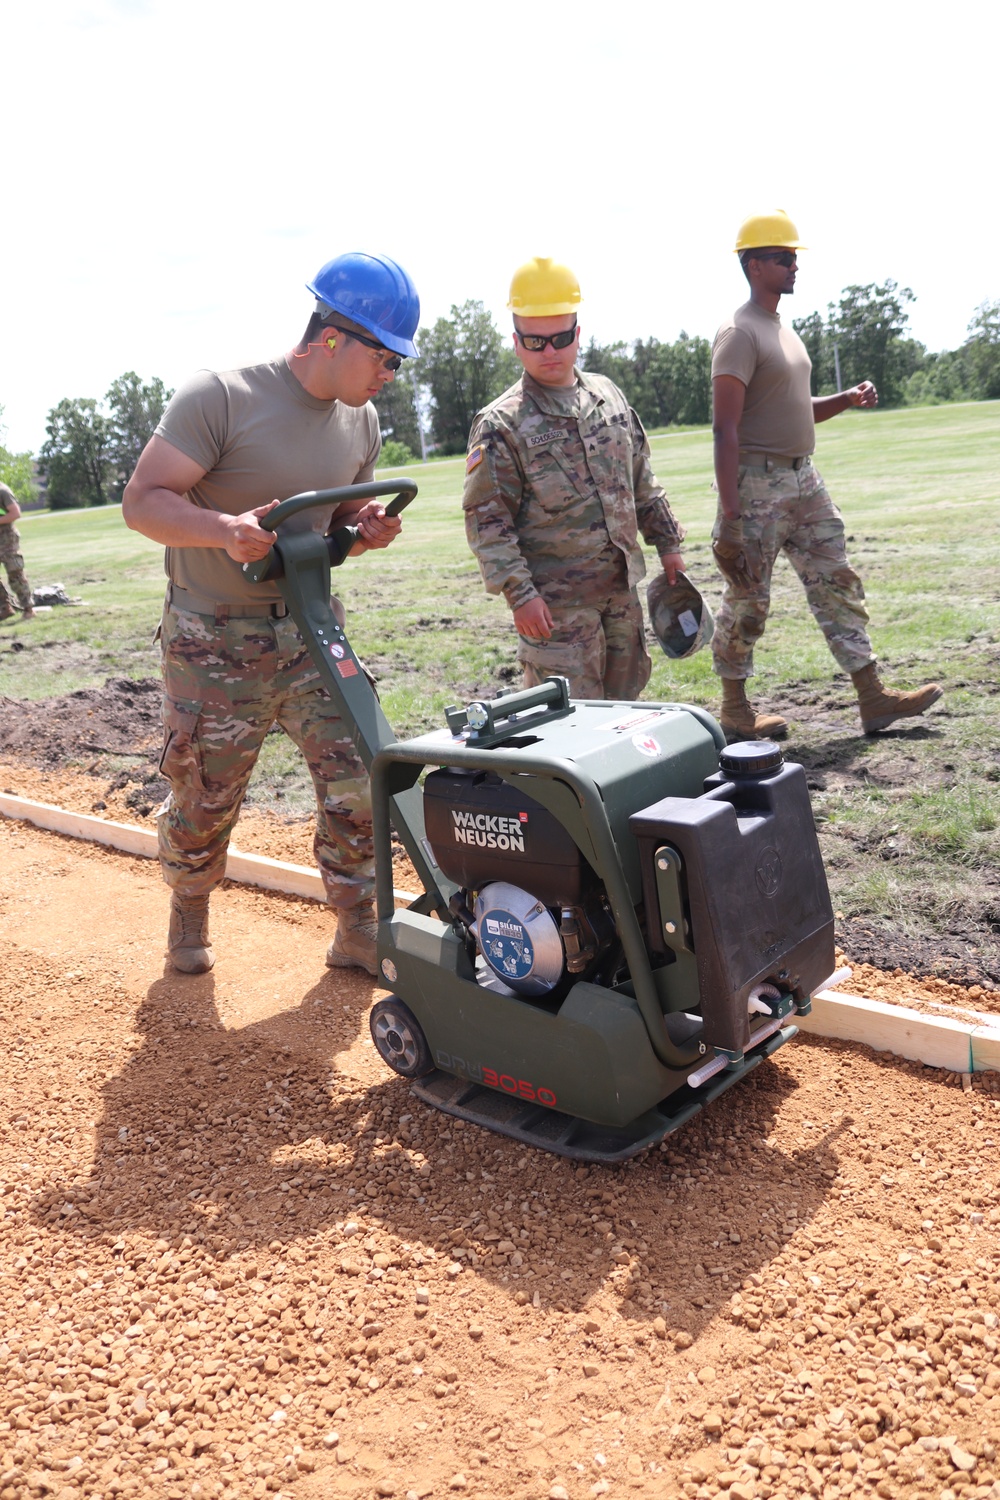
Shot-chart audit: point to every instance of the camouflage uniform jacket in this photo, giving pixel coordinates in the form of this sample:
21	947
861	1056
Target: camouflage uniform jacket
558	484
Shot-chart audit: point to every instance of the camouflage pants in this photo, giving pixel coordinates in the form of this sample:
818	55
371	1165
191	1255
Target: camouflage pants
789	510
10	556
600	647
224	686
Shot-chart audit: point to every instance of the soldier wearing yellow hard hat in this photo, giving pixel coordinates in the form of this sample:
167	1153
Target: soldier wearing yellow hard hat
771	497
558	489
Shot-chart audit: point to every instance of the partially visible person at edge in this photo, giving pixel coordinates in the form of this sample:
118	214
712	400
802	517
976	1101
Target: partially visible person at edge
233	660
558	484
10	556
772	499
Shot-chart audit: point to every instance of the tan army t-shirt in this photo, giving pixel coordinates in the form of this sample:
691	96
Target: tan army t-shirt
260	436
774	365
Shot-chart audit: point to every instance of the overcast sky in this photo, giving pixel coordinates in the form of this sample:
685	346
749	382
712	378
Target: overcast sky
175	170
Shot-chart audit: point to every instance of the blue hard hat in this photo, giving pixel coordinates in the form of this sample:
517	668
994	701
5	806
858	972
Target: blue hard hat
374	292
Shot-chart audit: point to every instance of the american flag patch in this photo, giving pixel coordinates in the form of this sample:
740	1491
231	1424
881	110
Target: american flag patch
475	458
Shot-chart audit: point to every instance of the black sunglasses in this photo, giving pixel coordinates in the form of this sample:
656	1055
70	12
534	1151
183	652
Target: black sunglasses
392	362
536	342
786	258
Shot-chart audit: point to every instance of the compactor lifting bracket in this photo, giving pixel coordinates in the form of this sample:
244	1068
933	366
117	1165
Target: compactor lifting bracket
500	719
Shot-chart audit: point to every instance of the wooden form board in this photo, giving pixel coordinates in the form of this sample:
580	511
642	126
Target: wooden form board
935	1040
965	1046
986	1049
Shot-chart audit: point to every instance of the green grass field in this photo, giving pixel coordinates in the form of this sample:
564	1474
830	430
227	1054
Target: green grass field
909	819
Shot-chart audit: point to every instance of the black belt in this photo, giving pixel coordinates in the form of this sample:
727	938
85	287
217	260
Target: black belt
773	461
219	610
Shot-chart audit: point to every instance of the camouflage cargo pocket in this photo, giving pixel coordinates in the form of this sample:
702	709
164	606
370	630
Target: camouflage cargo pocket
181	761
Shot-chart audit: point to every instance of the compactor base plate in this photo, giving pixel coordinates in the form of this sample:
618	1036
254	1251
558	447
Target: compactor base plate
581	1140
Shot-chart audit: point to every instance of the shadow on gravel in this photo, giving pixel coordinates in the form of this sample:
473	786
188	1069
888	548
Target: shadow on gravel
249	1139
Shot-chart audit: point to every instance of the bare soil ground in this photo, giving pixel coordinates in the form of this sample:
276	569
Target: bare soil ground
839	761
240	1260
96	750
128	797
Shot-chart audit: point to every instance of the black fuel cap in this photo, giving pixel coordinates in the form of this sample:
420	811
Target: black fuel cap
751	758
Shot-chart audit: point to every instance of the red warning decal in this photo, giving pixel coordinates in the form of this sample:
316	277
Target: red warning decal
347	668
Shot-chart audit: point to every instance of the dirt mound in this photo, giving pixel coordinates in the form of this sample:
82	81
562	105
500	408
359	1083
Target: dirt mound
961	957
121	718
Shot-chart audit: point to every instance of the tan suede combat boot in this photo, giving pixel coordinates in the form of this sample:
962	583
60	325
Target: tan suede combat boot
188	946
354	944
881	706
738	718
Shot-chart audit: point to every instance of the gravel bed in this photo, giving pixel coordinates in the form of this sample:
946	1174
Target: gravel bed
239	1260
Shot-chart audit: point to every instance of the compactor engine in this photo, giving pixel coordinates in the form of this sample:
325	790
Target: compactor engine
534	907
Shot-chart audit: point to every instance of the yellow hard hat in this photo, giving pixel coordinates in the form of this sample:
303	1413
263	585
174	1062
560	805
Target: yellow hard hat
542	288
775	228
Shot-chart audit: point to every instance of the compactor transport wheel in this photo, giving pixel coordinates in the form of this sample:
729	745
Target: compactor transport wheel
398	1039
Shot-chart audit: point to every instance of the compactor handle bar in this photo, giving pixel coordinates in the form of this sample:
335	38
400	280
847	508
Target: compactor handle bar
404	491
339	542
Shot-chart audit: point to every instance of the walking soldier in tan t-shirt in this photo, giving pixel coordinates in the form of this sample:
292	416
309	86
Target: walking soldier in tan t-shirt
228	448
771	498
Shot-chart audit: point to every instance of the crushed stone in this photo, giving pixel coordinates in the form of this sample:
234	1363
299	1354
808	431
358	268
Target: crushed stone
230	1241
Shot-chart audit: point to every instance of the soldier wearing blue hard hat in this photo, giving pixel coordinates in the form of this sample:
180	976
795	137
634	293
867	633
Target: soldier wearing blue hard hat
376	293
229	445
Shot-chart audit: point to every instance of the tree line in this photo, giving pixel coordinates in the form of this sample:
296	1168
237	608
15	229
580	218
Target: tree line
465	361
15	468
91	447
864	337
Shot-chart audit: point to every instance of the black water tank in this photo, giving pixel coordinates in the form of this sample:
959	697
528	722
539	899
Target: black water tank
753	882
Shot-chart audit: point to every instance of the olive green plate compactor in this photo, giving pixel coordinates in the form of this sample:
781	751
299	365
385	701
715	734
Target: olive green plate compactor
620	915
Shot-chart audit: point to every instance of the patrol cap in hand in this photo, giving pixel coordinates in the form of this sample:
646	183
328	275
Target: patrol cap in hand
682	622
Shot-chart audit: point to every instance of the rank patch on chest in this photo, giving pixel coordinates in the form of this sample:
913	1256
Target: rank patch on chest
554	435
475	458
